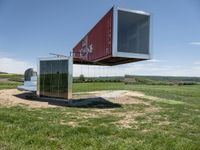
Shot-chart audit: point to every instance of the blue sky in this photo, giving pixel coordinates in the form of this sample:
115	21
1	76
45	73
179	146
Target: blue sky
33	28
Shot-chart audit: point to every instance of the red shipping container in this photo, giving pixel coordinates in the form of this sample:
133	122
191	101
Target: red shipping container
121	36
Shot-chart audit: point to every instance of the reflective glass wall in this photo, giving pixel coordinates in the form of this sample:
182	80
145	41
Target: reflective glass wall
133	32
54	78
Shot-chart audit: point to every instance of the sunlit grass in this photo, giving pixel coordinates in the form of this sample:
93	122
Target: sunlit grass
171	122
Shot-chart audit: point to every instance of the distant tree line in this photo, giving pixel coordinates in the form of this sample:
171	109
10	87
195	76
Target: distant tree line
3	72
82	79
148	80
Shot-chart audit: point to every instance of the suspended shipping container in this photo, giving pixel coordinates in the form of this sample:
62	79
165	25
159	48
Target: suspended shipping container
121	36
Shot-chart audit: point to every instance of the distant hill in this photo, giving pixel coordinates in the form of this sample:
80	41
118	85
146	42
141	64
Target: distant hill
3	72
170	78
162	80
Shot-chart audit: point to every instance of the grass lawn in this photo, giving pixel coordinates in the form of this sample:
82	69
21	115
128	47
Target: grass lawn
10	81
172	122
12	85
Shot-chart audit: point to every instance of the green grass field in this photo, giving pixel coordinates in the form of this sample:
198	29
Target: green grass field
10	81
176	126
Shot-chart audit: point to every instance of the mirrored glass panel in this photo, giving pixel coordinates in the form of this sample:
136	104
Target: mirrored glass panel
133	32
54	78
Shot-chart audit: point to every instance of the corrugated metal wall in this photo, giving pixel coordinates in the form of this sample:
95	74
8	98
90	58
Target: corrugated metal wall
97	44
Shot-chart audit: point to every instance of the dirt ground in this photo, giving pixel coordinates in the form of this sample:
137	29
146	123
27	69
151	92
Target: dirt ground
13	97
117	96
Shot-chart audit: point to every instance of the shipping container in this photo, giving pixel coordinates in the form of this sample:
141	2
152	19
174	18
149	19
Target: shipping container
55	78
121	36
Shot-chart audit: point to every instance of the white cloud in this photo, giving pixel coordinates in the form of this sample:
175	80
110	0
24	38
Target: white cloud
197	63
145	68
154	60
153	67
11	65
194	43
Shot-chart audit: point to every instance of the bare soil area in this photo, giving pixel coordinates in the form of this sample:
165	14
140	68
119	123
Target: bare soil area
3	80
13	97
117	96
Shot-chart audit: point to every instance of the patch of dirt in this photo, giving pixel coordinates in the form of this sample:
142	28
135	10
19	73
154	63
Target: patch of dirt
8	98
162	100
70	123
3	79
146	130
117	96
128	119
164	123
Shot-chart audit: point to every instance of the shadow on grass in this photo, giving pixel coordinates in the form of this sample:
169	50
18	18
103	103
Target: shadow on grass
96	102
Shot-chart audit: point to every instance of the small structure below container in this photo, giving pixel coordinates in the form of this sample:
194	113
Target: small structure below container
55	77
30	81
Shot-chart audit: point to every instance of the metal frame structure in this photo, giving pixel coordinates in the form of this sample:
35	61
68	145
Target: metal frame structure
70	73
